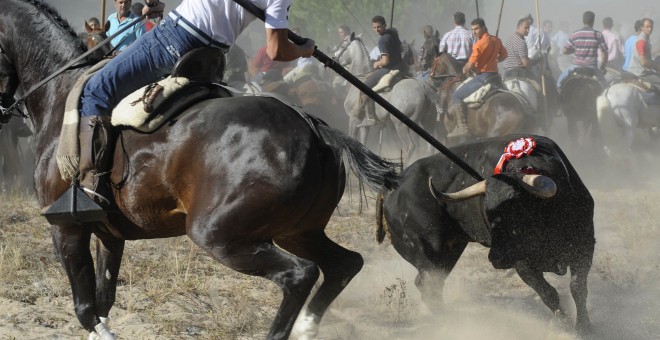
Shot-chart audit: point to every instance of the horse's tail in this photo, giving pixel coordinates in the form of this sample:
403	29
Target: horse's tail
382	228
607	121
367	166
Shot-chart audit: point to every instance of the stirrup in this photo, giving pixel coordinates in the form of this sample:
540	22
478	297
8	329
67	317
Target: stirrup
74	206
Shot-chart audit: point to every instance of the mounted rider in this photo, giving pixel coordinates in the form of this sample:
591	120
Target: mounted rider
538	47
428	50
390	59
586	43
642	64
458	42
486	53
193	24
517	61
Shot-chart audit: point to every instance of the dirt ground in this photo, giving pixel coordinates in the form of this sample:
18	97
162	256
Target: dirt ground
169	290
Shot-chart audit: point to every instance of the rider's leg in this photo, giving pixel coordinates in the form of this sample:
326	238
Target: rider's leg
368	104
460	108
96	150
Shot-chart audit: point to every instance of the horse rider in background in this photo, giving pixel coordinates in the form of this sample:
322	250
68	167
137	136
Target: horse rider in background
538	47
615	57
428	51
487	51
517	61
458	42
629	46
586	43
642	65
193	24
122	18
390	59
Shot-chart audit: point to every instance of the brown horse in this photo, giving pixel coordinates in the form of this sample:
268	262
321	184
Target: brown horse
501	114
236	175
94	37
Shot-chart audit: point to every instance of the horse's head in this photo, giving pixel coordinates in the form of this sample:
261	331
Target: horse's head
96	35
445	65
353	55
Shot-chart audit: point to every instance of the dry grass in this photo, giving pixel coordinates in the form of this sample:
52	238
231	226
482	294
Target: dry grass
169	289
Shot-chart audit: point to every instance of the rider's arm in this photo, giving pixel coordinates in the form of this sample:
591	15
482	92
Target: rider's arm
502	54
645	60
279	48
383	61
153	9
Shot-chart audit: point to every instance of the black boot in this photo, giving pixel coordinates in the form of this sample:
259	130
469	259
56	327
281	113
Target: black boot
96	149
96	138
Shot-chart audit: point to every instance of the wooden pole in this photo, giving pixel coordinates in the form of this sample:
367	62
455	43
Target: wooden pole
499	19
102	15
543	65
392	15
477	3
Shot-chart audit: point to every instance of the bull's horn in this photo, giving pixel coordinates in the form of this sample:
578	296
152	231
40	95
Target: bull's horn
469	192
540	186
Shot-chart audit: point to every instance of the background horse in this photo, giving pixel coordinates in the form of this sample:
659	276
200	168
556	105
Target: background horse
621	112
93	38
578	103
236	175
501	114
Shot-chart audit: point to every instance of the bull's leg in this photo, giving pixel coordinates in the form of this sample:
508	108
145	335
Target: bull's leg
579	271
339	266
108	261
431	277
296	276
534	278
72	246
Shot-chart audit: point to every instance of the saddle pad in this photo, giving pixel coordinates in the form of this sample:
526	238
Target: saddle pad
478	96
131	112
385	81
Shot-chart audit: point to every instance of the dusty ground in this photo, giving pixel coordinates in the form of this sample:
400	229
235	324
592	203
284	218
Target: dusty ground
169	290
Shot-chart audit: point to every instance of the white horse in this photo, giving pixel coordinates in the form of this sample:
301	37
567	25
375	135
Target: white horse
621	111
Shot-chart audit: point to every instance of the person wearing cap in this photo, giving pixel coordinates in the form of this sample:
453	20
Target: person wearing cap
193	24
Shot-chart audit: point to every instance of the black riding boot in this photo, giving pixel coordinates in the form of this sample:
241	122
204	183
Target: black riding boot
96	139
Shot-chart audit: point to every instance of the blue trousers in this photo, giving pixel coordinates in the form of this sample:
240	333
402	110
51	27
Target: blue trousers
468	88
145	61
567	71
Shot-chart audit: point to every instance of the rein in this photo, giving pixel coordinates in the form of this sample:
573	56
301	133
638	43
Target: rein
6	114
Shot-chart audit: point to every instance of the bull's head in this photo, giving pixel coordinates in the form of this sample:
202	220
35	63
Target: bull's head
516	207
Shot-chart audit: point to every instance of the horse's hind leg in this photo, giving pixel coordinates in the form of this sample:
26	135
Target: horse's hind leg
339	265
296	276
72	246
108	261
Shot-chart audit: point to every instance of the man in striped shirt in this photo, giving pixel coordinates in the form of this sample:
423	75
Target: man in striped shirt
586	43
458	42
517	61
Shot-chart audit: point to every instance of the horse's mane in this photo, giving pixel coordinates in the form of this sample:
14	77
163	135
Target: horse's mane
58	19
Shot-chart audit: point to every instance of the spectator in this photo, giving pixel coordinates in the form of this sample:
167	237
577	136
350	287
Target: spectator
118	20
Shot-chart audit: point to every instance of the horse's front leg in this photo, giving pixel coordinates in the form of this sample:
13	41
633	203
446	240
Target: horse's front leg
72	246
108	260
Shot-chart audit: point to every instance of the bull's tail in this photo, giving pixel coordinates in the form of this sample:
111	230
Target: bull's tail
381	230
378	173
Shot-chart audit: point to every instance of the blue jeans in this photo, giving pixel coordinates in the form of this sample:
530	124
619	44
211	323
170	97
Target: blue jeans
568	70
468	88
145	61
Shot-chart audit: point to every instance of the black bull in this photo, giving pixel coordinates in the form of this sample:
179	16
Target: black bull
544	227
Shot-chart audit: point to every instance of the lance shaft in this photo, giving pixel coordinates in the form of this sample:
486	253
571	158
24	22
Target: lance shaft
331	63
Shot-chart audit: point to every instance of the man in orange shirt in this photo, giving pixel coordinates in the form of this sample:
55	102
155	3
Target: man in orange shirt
486	53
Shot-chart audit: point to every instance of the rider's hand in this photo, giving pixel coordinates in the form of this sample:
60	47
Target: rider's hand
154	12
308	48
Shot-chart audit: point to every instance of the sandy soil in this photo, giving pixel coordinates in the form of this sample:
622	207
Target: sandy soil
169	290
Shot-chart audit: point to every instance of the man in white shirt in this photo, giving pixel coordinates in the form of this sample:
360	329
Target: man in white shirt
193	24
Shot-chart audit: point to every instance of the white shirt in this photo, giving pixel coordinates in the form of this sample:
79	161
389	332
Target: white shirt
224	20
532	40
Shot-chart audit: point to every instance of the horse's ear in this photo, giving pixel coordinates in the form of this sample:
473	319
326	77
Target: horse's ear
352	36
88	28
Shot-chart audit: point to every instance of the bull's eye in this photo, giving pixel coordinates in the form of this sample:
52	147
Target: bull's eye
514	232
